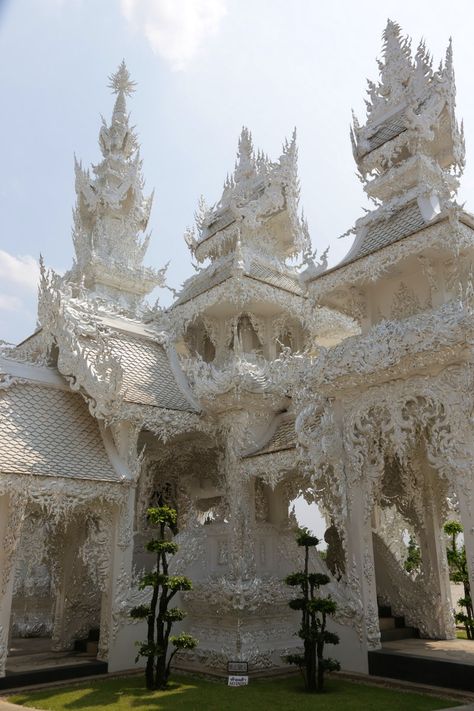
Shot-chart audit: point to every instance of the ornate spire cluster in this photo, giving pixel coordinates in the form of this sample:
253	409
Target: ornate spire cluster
411	136
112	212
257	190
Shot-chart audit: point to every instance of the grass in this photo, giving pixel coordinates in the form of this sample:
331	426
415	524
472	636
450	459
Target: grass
194	694
461	633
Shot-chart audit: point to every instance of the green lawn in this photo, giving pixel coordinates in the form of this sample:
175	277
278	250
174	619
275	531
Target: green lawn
193	694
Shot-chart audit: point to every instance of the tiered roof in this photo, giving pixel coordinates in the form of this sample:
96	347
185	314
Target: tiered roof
410	150
254	227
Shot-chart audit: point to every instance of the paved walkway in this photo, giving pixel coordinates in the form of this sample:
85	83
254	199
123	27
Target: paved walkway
451	650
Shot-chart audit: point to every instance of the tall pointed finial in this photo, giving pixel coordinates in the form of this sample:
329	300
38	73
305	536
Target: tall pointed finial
245	165
289	147
289	161
397	66
112	212
245	144
120	81
448	62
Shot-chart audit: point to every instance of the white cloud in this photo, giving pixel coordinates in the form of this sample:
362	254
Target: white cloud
19	280
10	303
175	29
19	271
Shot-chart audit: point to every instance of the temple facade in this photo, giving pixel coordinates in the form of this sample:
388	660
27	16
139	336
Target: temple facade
271	376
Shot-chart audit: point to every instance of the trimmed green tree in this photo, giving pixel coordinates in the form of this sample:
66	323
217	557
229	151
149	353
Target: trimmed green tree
158	613
458	573
413	560
315	610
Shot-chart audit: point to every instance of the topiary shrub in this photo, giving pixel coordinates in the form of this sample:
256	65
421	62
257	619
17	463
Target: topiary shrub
315	609
159	615
459	573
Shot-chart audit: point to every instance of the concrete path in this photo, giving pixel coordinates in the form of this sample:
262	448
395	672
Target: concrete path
7	706
451	650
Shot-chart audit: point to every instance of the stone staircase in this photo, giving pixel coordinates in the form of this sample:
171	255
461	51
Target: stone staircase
31	662
393	628
88	645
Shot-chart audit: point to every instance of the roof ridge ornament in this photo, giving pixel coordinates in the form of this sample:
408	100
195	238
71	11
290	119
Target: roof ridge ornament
245	165
120	81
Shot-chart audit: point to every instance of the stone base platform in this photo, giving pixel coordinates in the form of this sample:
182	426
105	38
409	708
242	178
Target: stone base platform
446	663
31	661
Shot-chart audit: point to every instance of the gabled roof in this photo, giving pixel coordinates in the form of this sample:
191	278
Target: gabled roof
49	431
213	276
204	281
284	437
148	377
387	130
383	232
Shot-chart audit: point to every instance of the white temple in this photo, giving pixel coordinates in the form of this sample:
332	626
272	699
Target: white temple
352	386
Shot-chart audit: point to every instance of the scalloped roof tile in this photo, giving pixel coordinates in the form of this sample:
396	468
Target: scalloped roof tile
283	438
204	282
148	378
386	131
207	280
50	432
384	232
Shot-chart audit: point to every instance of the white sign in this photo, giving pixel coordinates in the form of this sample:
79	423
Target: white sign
238	680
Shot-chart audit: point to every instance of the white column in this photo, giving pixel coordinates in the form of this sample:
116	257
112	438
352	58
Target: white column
117	633
241	501
434	559
12	513
66	547
361	553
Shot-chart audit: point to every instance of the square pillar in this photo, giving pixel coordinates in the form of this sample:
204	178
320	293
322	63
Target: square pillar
12	514
118	634
360	557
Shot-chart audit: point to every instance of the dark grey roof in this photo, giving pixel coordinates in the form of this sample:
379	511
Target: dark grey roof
387	231
388	130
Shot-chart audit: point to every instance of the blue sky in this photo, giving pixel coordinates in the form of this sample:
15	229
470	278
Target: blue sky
204	68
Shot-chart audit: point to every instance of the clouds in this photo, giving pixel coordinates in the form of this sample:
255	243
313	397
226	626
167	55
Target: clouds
18	279
19	272
175	29
10	303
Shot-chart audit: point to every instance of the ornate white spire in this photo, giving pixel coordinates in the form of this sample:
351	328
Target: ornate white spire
111	213
120	82
410	146
258	191
396	67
